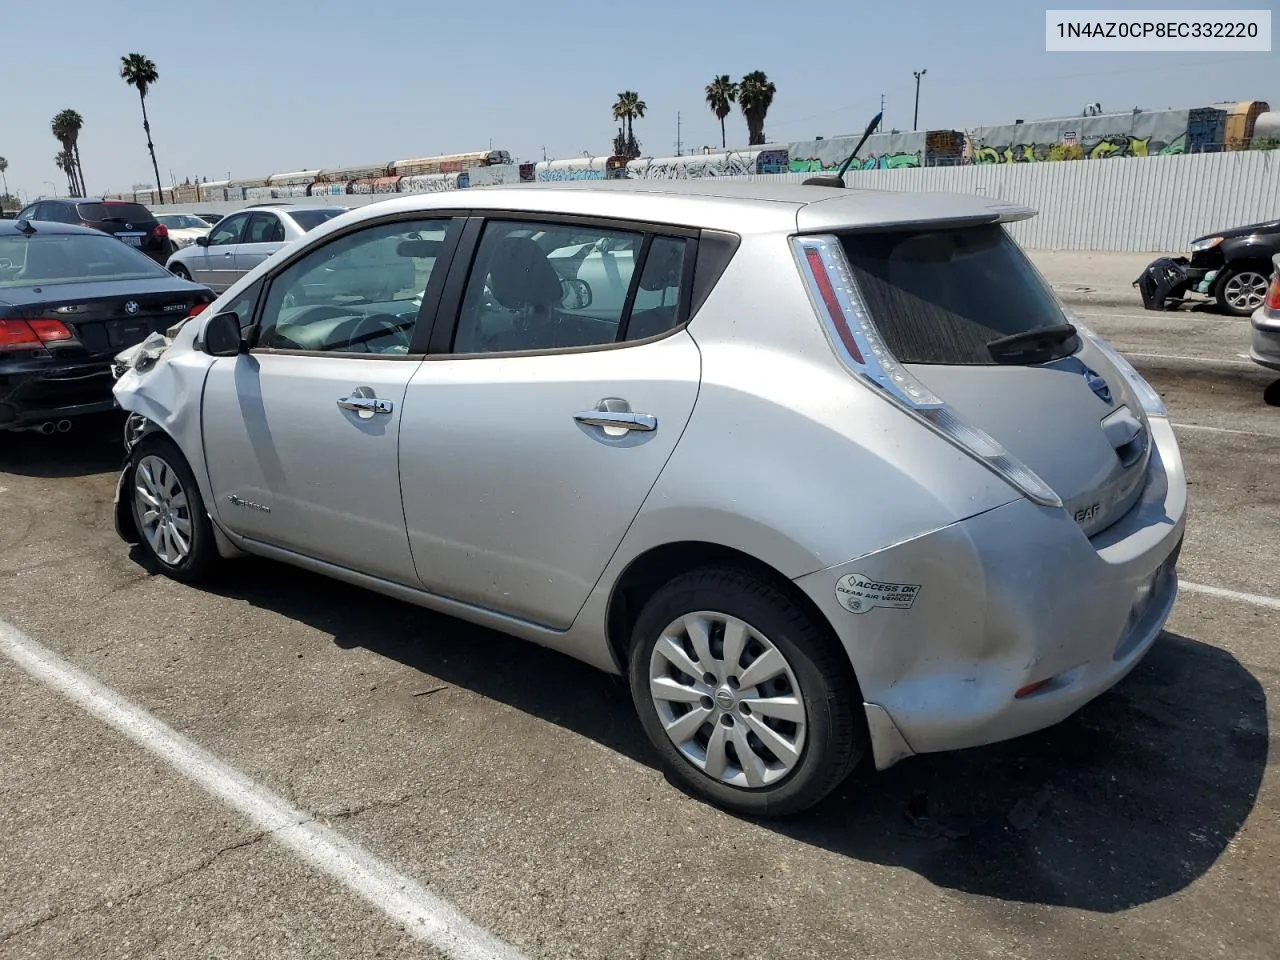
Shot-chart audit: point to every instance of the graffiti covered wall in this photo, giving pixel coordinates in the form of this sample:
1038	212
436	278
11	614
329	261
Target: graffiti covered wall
882	151
1161	133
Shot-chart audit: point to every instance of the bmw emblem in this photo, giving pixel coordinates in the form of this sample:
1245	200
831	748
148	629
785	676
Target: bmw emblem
1098	385
131	307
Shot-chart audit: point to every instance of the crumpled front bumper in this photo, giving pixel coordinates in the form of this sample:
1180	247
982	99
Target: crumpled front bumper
1007	622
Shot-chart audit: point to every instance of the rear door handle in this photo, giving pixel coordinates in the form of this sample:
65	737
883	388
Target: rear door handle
615	414
627	421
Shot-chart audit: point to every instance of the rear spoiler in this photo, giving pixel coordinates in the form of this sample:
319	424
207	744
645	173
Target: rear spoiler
893	210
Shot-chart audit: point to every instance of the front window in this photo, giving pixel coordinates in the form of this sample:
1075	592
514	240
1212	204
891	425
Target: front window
359	294
948	296
76	258
228	230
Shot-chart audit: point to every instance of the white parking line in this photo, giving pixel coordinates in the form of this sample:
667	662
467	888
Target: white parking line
423	915
1179	356
1161	314
1257	600
1243	433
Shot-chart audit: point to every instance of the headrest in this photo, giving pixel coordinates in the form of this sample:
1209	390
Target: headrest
520	275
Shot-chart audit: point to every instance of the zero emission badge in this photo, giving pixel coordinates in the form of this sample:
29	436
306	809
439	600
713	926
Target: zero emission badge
858	593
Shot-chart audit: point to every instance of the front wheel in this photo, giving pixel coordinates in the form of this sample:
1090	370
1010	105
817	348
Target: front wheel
181	272
749	701
1241	290
174	529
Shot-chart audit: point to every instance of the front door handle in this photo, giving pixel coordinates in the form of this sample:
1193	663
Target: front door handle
363	403
614	414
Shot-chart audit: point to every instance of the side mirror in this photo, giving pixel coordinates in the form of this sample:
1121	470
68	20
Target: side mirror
202	241
222	337
577	294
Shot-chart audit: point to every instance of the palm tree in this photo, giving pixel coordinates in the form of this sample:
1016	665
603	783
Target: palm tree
66	128
720	93
755	97
629	107
66	162
140	73
4	166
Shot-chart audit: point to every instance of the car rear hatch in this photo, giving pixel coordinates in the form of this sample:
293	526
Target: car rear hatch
962	310
129	222
111	316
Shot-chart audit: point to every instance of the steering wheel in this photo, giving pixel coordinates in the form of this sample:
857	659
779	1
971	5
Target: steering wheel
374	326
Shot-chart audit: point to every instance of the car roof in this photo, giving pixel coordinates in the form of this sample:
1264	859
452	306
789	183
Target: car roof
717	203
9	228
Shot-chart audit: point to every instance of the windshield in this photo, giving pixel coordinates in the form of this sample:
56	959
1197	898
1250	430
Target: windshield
943	296
77	258
310	219
182	221
114	210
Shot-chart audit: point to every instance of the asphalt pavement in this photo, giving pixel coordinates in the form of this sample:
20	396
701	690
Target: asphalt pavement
516	785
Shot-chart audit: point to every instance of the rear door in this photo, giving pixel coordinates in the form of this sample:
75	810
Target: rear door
970	317
263	236
538	426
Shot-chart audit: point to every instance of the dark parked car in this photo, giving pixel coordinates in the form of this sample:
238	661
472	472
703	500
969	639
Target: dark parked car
130	222
71	298
1234	266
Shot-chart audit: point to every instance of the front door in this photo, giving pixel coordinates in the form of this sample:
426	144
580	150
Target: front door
263	237
529	449
301	433
214	264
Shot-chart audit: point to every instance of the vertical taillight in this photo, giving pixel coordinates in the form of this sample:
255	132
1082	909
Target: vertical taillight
858	344
1273	292
161	230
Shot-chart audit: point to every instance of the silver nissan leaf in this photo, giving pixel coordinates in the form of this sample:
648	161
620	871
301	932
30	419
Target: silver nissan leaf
828	474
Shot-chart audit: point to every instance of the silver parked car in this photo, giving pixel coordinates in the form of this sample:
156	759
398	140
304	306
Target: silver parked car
828	473
1265	323
239	242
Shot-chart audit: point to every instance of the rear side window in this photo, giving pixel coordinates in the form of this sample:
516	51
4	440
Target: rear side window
308	220
128	212
943	296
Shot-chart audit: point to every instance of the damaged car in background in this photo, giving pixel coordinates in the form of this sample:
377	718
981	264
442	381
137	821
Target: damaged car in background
70	299
1232	268
828	474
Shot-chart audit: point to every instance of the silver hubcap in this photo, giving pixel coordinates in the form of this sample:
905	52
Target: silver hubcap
1246	291
163	512
728	699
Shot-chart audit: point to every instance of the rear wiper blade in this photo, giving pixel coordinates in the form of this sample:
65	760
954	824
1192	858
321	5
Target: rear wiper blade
111	220
1031	346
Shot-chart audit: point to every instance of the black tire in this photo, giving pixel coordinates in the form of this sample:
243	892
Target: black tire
202	557
1231	273
836	726
181	272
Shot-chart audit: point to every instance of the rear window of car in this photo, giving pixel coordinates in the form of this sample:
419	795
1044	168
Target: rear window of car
310	219
75	258
942	296
131	212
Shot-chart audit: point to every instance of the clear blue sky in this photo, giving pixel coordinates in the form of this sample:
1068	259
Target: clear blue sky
261	87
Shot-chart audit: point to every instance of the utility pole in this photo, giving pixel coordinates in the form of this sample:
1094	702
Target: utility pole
679	142
915	120
882	111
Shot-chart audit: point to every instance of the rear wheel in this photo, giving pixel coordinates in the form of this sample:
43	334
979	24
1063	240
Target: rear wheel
749	702
181	272
173	527
1241	290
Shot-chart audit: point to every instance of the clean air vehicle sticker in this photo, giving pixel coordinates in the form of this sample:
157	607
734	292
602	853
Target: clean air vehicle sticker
858	593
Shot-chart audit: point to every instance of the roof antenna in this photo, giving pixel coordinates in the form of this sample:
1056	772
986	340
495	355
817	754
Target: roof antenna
838	179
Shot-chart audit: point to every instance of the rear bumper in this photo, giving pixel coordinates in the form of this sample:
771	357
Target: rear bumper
35	394
1264	345
1009	598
